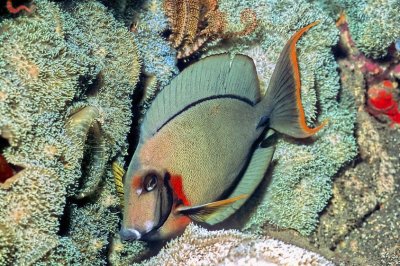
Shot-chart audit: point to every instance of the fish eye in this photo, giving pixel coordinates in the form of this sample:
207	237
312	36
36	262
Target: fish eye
150	182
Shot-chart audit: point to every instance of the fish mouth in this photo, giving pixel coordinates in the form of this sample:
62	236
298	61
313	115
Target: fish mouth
129	234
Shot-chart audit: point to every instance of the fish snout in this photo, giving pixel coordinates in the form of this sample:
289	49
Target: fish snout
128	234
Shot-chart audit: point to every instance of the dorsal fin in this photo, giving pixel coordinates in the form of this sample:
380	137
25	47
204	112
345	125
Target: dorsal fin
213	76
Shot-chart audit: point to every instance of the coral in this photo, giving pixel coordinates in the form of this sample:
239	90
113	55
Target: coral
374	25
300	184
194	22
124	253
377	240
147	23
30	206
380	76
198	246
6	244
381	100
60	62
361	207
67	76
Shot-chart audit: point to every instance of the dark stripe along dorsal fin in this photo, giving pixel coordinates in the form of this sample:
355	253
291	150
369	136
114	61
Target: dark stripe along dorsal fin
215	75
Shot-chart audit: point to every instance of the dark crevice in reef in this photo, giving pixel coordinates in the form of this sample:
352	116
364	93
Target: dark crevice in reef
339	52
136	114
92	85
65	220
7	170
357	224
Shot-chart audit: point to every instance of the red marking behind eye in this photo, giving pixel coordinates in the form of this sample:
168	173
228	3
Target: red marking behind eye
136	182
176	184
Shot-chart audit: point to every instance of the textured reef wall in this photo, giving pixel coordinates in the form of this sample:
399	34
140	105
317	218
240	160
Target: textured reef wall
66	78
374	25
197	246
68	71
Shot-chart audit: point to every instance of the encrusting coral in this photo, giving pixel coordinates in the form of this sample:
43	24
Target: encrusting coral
198	246
61	61
374	25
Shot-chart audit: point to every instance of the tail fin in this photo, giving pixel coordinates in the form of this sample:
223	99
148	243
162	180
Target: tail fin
282	102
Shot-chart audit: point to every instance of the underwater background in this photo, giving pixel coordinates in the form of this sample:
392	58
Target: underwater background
76	78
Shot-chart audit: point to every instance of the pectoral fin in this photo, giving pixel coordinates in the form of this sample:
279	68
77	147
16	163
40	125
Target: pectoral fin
200	213
118	173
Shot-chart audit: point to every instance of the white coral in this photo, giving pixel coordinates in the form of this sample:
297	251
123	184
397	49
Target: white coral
198	246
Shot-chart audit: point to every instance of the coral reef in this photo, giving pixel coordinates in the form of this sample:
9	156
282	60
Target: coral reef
300	185
359	225
60	61
67	74
380	76
374	25
198	246
148	22
360	221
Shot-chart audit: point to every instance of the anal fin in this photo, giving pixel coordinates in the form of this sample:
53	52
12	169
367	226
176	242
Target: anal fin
201	213
252	177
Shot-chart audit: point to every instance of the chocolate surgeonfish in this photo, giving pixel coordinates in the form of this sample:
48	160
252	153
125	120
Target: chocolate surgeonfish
203	146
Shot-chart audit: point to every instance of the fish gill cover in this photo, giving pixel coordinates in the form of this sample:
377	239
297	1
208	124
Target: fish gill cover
67	75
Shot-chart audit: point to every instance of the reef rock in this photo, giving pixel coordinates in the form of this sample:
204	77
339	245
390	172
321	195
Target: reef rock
198	246
57	63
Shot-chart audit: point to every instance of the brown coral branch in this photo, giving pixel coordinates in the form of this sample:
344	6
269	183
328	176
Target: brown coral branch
195	22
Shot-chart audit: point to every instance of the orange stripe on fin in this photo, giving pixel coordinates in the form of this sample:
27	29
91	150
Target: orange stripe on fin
296	72
224	202
200	213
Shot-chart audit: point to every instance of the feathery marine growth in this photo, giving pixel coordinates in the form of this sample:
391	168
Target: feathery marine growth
195	22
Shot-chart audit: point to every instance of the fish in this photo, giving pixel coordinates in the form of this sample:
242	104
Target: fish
206	142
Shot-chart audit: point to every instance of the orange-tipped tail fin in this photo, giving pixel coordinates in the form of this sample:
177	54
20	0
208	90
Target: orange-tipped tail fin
282	102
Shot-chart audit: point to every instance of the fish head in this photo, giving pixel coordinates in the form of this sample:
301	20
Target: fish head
149	204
